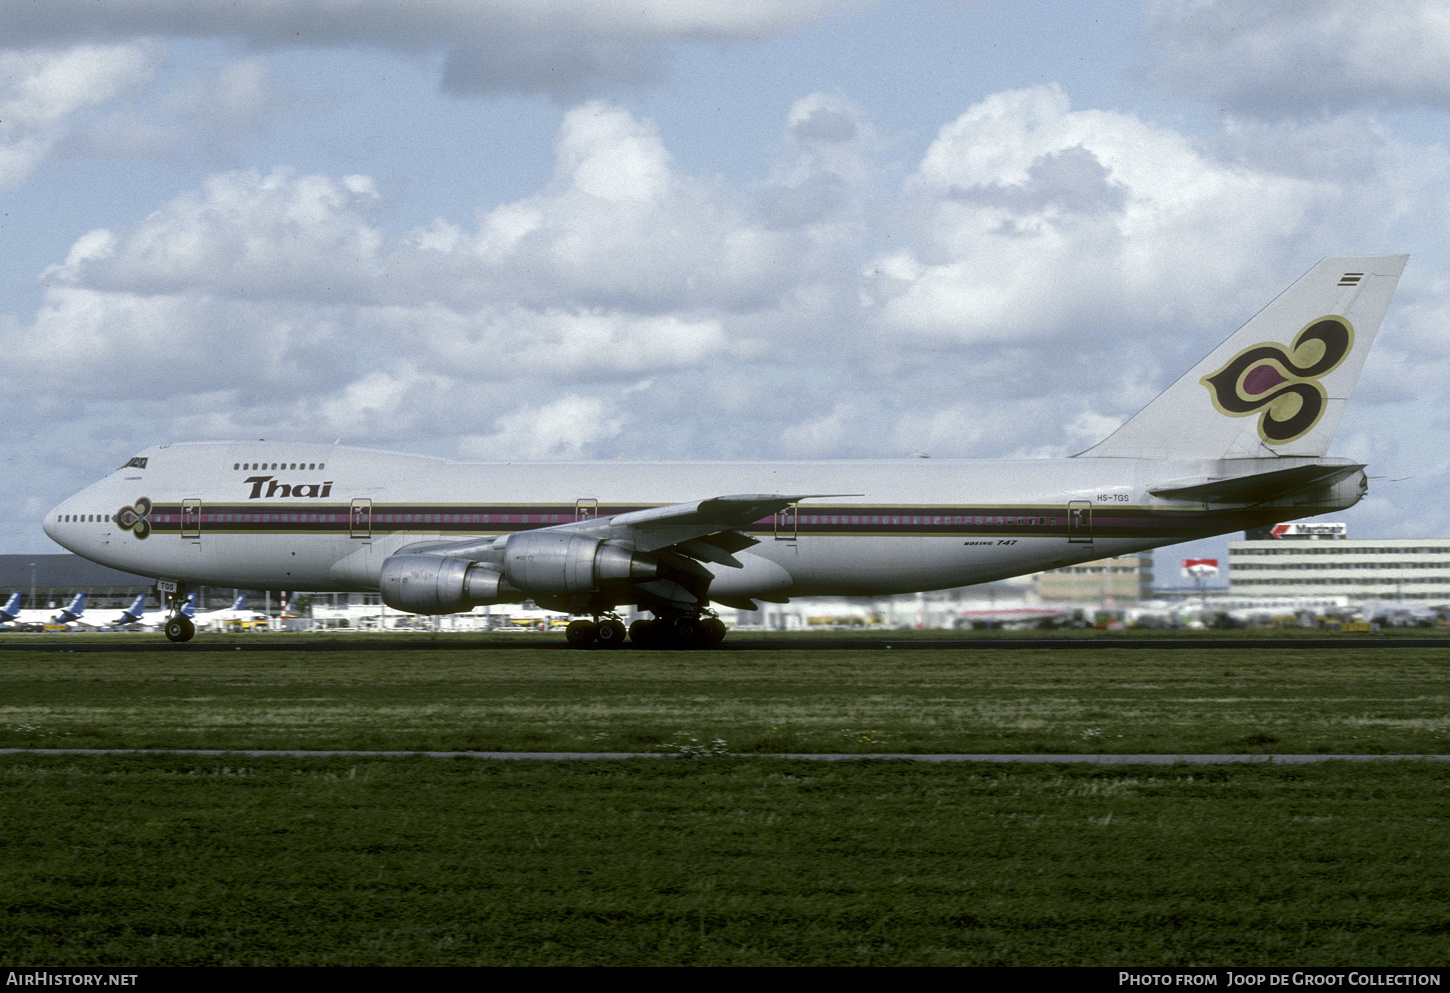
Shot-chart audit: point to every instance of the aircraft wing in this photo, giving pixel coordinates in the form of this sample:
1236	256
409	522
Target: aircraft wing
709	530
663	548
683	524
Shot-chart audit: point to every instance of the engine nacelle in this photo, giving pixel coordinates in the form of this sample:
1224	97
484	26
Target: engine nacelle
560	562
531	563
434	584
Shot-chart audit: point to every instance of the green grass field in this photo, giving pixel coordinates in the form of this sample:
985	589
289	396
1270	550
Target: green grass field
736	858
531	699
169	861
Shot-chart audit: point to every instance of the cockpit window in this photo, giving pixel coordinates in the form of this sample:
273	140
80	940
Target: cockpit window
139	462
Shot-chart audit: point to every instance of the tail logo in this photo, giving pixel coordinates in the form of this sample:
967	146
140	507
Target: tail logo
1283	385
136	518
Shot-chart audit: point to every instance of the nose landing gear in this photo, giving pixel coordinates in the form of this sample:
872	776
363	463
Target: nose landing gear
179	627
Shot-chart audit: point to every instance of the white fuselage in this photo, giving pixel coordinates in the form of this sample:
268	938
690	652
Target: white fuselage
323	518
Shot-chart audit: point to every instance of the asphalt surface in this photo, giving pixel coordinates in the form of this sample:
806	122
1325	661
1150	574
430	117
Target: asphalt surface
1227	759
363	643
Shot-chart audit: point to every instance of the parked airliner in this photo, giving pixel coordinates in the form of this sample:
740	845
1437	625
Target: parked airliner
1238	442
132	614
237	613
37	617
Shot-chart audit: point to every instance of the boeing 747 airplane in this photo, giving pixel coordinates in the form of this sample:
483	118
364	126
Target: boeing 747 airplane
1238	442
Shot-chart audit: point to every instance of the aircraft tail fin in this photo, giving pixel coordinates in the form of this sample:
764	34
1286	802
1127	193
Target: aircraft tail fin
11	610
1278	385
73	610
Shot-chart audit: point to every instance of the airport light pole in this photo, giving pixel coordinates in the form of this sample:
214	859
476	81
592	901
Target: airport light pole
32	585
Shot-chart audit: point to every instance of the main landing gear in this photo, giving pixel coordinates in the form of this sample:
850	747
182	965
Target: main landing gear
677	631
607	633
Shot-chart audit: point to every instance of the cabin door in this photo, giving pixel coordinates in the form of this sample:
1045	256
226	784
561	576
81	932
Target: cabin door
1080	522
360	518
191	519
787	522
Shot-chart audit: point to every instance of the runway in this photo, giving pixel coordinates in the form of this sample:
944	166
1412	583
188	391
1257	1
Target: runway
1064	759
544	643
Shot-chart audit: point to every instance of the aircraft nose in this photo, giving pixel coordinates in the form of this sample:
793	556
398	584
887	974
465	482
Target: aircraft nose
49	524
55	527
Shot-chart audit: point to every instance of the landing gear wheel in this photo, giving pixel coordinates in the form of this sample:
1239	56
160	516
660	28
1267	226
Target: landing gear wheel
685	633
581	634
712	630
642	632
611	634
180	629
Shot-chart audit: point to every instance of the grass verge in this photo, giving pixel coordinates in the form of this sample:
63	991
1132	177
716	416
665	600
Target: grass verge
721	861
1100	700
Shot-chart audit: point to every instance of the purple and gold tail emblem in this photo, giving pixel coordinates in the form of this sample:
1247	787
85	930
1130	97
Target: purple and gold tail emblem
136	518
1283	385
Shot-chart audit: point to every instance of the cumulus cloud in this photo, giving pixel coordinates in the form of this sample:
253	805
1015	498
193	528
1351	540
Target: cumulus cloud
288	282
43	90
559	344
491	46
828	173
618	226
1276	59
1050	269
1034	218
243	235
381	403
571	427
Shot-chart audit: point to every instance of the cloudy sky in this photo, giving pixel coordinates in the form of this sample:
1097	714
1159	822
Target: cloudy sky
689	229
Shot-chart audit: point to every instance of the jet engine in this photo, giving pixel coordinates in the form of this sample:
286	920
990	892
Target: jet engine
527	564
436	584
560	562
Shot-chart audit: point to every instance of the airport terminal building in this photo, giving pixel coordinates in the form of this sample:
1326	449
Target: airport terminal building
1321	560
49	581
1122	581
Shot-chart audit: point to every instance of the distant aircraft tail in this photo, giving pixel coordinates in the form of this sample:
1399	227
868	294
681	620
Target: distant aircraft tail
188	609
11	610
133	613
73	611
240	603
1278	385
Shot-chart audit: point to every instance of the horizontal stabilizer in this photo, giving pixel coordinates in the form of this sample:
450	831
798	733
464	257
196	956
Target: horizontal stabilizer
1259	487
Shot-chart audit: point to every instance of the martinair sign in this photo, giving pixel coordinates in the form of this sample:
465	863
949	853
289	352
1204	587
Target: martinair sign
1311	531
